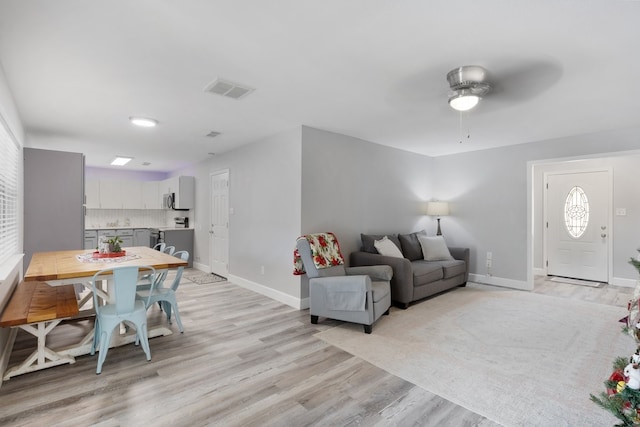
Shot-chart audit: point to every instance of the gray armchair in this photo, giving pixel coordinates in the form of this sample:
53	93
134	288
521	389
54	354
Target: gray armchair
358	294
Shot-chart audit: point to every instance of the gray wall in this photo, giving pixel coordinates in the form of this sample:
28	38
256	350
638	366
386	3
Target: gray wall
488	190
265	198
351	186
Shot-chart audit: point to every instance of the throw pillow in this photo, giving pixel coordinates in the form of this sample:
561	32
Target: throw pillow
386	247
410	245
369	239
434	248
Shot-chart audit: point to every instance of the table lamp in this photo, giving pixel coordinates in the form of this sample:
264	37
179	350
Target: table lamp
438	209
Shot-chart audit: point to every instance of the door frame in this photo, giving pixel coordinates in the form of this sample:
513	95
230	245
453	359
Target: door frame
210	240
609	171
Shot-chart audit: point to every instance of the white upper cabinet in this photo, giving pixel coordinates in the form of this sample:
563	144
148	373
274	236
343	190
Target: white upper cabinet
172	185
151	195
110	195
107	194
131	195
183	188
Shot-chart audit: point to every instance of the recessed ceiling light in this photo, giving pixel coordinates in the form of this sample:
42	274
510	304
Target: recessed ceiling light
121	161
143	121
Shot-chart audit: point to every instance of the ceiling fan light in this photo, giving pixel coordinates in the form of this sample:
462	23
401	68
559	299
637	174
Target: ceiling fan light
463	101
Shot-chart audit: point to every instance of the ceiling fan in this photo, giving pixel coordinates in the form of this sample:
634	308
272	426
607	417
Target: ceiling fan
468	85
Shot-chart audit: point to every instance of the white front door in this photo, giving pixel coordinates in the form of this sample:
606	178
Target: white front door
577	234
219	224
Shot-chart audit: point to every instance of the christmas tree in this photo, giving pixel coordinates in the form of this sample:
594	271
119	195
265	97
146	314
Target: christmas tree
622	397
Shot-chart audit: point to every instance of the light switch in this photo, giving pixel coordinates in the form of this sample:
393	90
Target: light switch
621	212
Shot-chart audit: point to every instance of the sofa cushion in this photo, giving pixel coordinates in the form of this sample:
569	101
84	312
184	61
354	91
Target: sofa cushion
434	248
425	272
453	268
386	247
369	239
411	248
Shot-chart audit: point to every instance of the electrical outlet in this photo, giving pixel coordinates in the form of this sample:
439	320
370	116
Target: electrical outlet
489	255
262	270
488	263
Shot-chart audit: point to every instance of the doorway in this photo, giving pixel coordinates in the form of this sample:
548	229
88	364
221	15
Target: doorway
577	224
219	223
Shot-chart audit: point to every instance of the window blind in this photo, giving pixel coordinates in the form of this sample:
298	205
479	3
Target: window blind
9	167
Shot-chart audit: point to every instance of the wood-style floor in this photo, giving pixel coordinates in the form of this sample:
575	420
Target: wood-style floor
244	360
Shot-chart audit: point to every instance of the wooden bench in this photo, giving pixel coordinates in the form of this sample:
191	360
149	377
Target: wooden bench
37	308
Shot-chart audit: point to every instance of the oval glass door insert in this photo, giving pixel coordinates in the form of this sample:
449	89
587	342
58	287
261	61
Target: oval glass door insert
576	212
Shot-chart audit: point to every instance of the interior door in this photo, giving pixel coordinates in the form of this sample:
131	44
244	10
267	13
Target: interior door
577	235
219	224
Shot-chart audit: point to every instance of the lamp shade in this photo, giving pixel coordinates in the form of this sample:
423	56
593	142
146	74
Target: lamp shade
438	208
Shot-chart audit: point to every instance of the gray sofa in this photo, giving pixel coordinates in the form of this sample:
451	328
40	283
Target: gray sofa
413	277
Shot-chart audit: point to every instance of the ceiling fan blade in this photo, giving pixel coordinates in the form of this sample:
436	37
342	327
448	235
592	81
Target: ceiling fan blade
524	81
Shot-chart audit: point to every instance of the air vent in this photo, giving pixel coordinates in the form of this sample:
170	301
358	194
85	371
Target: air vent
212	134
228	89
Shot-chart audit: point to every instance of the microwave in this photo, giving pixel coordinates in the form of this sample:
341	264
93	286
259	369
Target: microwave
169	201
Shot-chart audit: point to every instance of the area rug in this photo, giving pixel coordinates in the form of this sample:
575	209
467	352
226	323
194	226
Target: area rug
576	282
515	357
203	278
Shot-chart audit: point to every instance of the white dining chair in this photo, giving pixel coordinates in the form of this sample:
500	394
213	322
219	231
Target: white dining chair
166	297
122	306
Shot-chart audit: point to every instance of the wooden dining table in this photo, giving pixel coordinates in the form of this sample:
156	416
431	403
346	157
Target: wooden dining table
59	268
66	267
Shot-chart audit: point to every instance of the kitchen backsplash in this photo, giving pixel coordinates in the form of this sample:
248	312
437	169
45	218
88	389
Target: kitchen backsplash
127	218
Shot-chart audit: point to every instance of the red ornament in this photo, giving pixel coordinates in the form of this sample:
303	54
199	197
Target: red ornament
615	376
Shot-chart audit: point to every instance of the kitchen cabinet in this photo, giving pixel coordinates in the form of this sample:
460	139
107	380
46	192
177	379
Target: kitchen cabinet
92	194
126	236
182	239
171	185
106	233
110	195
131	195
121	195
142	237
90	239
186	194
183	188
151	195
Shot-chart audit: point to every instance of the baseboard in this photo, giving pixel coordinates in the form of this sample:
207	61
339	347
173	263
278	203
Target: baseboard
627	283
539	272
287	299
297	303
201	267
500	281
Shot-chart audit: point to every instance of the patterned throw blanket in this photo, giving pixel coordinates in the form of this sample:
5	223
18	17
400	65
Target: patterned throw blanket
325	252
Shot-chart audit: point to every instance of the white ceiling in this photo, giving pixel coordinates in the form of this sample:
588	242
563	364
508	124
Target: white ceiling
371	69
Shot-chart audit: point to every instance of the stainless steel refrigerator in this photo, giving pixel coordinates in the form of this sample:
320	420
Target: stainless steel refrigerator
53	201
